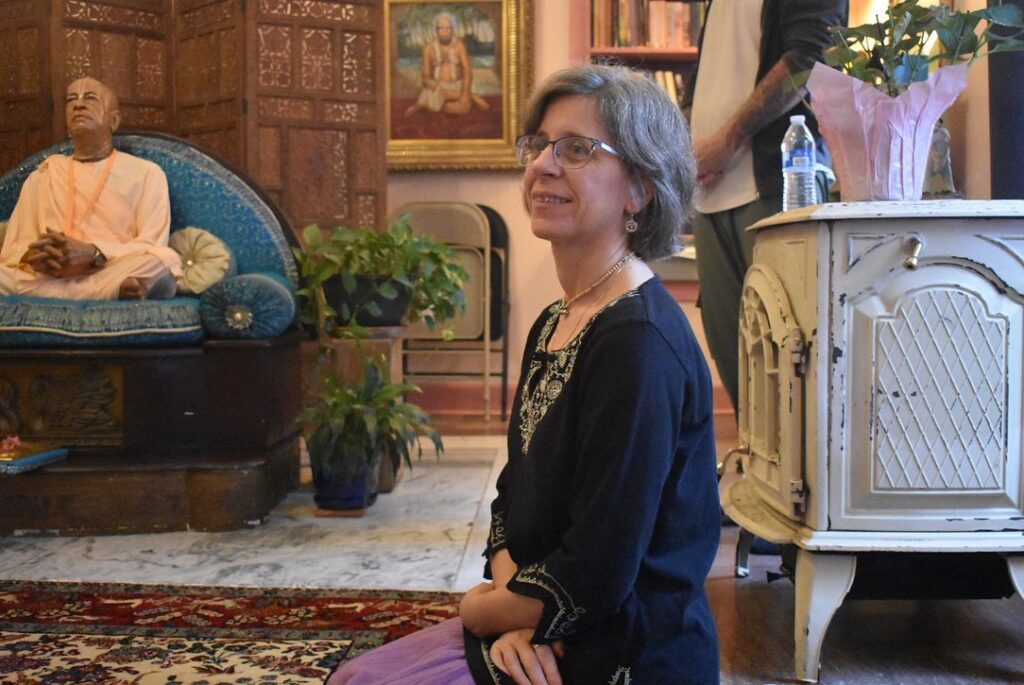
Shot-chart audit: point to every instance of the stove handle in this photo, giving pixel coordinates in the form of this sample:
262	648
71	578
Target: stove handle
739	450
914	245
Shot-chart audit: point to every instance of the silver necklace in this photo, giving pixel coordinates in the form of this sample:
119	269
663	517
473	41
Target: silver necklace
563	307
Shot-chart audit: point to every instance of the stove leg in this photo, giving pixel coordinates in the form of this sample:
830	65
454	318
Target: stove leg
822	581
1015	565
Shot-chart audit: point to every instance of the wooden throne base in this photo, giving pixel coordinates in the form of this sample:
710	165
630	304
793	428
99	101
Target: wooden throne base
97	494
192	438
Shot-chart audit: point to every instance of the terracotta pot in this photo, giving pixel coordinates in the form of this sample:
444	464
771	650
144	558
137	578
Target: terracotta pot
880	144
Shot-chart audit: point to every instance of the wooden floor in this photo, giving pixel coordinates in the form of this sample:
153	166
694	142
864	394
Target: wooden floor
869	642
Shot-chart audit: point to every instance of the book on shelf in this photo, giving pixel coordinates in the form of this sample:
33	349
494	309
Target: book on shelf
25	456
669	81
656	24
678	25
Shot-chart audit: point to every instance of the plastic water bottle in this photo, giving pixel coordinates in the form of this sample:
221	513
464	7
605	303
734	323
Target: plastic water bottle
798	159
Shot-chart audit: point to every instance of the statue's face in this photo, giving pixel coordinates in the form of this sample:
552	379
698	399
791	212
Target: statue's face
443	26
90	107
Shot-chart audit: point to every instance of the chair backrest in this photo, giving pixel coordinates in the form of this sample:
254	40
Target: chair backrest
204	192
479	238
455	223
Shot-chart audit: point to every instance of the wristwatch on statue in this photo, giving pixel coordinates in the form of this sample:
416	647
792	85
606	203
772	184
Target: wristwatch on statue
98	258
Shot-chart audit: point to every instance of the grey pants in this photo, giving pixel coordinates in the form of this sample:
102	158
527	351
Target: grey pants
724	251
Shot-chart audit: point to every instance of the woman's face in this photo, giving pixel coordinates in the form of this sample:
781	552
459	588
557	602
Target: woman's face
582	205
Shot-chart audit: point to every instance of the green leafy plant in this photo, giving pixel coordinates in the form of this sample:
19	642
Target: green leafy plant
350	424
396	258
898	49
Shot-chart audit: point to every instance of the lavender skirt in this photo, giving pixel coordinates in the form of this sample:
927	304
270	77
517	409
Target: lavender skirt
432	656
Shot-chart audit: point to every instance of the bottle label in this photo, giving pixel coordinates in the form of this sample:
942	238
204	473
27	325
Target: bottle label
798	160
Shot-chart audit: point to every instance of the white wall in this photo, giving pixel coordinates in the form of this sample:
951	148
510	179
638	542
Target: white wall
532	278
967	121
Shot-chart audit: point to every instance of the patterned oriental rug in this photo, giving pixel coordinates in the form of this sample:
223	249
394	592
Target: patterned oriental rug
109	633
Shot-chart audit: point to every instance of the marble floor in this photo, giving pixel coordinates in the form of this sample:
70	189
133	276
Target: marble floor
429	535
426	535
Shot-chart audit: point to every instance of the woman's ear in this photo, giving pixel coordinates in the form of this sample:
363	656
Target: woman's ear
641	192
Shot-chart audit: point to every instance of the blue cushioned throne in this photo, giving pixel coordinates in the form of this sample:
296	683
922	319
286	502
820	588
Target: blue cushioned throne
179	414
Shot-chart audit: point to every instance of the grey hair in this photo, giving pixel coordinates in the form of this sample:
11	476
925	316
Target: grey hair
649	130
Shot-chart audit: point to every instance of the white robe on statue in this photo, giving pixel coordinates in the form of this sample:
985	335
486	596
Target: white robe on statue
130	223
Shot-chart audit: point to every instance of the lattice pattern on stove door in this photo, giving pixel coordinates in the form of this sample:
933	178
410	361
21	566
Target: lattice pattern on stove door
940	394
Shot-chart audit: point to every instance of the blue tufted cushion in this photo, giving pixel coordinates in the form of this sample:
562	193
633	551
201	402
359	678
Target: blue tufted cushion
248	307
45	322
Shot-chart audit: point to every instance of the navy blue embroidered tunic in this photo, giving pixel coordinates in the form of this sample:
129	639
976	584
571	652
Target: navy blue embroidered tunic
608	504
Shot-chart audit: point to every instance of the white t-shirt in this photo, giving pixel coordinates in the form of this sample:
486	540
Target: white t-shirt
726	78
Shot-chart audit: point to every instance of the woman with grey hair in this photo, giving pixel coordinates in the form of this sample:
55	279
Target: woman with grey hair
607	519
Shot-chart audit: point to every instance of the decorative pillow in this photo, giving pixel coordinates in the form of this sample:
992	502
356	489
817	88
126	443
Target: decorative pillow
205	259
248	307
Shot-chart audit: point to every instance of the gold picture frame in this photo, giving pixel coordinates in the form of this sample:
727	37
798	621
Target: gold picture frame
435	120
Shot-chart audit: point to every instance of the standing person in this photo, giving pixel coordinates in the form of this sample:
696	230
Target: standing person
740	101
606	521
93	225
447	73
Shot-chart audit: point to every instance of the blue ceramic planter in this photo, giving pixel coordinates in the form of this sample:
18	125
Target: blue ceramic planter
345	494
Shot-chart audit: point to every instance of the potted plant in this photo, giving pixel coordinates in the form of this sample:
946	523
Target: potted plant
350	426
879	97
356	425
355	278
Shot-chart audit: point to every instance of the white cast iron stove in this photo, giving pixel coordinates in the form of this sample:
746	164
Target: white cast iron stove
881	381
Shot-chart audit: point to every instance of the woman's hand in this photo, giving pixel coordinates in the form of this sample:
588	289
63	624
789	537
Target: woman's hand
524	662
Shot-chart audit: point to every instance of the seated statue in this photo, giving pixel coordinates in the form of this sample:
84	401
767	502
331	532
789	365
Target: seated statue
95	225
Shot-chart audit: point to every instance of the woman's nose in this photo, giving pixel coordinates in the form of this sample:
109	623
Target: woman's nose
545	162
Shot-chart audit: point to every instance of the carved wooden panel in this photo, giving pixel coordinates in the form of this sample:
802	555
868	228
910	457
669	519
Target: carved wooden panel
208	39
61	403
24	87
317	87
319	166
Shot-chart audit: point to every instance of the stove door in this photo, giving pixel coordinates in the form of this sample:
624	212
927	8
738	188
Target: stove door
771	363
927	384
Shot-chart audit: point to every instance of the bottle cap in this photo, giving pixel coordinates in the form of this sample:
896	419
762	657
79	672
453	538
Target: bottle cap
797	119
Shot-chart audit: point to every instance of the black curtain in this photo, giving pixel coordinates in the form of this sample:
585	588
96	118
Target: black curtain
1006	120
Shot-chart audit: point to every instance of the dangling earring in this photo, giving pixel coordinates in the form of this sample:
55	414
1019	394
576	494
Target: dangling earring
631	224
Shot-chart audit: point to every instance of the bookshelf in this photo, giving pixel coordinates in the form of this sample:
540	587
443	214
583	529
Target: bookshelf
676	60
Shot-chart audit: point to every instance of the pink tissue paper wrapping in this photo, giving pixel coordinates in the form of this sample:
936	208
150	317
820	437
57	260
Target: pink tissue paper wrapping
880	144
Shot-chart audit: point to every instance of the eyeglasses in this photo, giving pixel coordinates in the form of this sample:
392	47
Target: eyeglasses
571	152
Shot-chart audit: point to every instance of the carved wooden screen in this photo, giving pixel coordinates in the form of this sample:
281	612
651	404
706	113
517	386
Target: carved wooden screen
208	81
315	118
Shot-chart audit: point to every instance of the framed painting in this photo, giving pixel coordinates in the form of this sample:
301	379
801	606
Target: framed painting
458	73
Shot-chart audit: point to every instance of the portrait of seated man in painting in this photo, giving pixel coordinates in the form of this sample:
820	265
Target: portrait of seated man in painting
445	83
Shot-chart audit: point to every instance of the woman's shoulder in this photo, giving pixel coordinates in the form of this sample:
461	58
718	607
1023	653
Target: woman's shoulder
650	303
